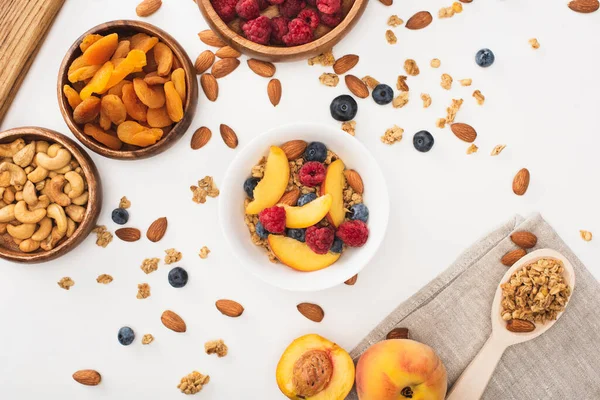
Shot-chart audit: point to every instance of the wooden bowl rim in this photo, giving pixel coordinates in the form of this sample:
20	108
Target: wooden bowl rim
178	130
94	204
275	53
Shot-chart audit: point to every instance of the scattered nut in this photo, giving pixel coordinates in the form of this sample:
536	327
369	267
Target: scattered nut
124	203
66	283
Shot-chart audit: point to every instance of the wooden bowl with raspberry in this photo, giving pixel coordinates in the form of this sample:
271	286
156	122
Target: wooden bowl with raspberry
281	30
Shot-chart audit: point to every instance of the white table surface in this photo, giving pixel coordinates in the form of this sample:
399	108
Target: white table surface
542	103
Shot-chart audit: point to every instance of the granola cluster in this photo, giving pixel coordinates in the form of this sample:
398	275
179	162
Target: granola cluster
150	265
66	283
193	382
217	347
143	291
103	237
206	188
172	256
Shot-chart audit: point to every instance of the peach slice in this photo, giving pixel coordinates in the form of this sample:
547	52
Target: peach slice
309	214
334	185
272	186
298	255
314	368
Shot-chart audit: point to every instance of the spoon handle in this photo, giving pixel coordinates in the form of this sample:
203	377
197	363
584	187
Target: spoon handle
474	379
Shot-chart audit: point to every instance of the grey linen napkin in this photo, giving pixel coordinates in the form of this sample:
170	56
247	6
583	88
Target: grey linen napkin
452	315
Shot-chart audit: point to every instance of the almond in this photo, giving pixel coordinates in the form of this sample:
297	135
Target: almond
521	182
387	2
520	325
224	67
464	132
209	86
398	333
173	321
87	377
351	281
290	197
128	234
262	68
584	6
512	257
345	64
524	239
200	137
274	91
228	52
419	21
157	229
204	61
311	311
210	38
294	149
147	7
230	308
357	86
229	136
354	180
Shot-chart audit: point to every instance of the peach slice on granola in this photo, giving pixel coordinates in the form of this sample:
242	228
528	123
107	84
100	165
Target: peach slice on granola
308	214
334	185
273	184
298	255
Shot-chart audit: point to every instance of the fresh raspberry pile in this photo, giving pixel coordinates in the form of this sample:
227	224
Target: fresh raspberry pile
280	29
312	173
273	219
291	8
332	20
353	233
225	9
299	32
329	7
258	30
311	17
319	239
248	9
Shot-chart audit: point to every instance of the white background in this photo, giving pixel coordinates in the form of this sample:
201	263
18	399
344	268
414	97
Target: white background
542	103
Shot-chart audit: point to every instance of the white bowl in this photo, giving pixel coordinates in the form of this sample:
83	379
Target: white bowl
254	258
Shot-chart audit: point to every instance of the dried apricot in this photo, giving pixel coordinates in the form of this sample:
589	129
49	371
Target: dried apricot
98	82
178	78
158	117
76	64
101	51
118	88
122	50
173	100
72	96
133	133
135	59
88	41
104	121
164	58
87	110
152	78
135	108
101	136
83	73
114	109
143	42
152	96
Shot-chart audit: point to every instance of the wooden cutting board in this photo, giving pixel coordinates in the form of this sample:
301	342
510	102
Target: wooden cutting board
23	27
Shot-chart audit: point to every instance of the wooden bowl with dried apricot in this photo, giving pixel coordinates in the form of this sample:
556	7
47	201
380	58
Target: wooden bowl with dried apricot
127	90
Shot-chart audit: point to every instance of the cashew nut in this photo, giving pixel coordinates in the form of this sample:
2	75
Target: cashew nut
53	149
17	174
4	179
19	195
57	213
24	157
41	146
64	169
71	226
81	200
9	149
28	169
37	175
7	213
61	159
74	164
29	245
2	204
3	227
8	196
29	194
43	202
55	192
23	231
44	230
53	239
76	213
23	215
77	185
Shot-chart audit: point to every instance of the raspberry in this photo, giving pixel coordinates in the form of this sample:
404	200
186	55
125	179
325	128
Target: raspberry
280	28
310	17
312	173
291	8
273	219
331	20
319	239
299	33
353	233
262	4
258	30
329	6
225	9
247	9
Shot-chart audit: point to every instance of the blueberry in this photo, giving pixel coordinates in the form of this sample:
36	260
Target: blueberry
126	336
306	198
423	141
315	151
359	212
343	108
120	216
485	58
261	231
383	94
178	277
298	234
249	186
336	247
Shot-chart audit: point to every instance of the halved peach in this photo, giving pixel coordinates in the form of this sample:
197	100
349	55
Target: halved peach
308	214
298	255
334	185
272	186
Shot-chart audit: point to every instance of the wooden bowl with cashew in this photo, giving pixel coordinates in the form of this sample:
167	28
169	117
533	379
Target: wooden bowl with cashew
50	195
